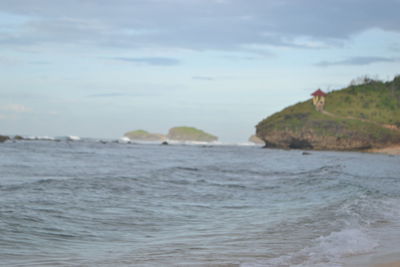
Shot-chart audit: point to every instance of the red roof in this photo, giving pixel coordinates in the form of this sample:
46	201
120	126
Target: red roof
318	93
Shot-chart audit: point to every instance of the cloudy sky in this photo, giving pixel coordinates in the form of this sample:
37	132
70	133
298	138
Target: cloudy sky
98	68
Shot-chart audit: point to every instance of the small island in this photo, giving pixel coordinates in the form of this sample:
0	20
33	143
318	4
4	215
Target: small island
185	133
365	116
142	135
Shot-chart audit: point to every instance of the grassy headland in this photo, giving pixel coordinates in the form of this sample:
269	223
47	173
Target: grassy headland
364	115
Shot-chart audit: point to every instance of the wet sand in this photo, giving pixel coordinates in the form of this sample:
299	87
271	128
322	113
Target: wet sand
391	150
390	264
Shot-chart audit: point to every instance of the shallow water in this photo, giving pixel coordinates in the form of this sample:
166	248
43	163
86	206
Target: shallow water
88	203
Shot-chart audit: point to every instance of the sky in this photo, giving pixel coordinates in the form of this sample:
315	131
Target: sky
100	68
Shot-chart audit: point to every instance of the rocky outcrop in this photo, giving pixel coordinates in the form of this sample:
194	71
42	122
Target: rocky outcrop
256	140
326	133
142	135
190	134
4	138
309	139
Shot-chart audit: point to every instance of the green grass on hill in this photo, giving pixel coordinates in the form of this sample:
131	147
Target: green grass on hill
143	135
190	134
359	109
373	100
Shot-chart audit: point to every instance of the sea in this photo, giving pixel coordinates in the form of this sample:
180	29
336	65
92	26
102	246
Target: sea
88	202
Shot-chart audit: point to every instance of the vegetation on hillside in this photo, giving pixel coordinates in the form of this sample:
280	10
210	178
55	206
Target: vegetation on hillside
367	110
142	135
185	133
371	100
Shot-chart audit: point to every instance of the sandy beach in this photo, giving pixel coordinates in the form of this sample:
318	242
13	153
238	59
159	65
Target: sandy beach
382	260
391	150
391	264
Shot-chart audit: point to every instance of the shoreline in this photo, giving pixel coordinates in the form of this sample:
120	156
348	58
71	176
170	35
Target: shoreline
390	264
390	150
383	257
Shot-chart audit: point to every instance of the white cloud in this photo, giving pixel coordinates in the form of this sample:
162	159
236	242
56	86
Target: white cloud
8	61
18	108
357	61
196	24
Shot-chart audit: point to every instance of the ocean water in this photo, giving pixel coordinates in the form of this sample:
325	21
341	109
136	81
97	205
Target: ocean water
87	203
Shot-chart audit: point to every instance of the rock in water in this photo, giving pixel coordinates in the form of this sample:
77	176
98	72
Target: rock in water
4	138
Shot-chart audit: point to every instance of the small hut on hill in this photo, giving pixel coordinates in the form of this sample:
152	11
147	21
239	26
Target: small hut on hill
319	99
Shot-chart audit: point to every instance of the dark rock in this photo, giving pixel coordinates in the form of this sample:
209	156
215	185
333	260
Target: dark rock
164	143
256	140
300	144
270	144
306	153
4	138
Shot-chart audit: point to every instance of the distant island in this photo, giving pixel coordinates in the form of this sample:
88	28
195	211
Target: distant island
142	135
182	133
185	133
363	116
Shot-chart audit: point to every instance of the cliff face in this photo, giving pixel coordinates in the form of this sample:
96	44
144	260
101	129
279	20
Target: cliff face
254	139
359	117
190	134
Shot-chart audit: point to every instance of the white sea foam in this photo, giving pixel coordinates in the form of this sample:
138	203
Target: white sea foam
327	251
124	140
44	138
178	142
247	144
73	138
337	245
214	143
